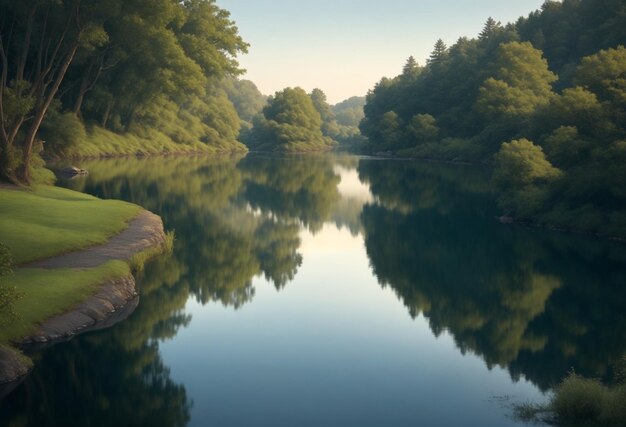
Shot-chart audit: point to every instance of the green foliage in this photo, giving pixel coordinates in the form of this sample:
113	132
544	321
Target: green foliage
520	83
63	132
6	261
565	147
330	128
290	123
48	292
350	112
8	292
138	262
503	86
579	399
515	302
521	174
439	52
582	400
423	128
148	69
604	74
246	98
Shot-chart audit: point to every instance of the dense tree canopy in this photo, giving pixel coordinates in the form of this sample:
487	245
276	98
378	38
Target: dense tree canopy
147	69
556	78
291	122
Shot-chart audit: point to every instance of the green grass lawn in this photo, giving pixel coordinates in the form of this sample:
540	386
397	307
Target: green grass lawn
48	221
45	293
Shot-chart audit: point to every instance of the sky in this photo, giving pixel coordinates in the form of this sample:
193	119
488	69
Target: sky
345	46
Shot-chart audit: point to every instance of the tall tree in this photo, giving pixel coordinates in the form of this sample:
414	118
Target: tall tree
439	51
38	42
491	26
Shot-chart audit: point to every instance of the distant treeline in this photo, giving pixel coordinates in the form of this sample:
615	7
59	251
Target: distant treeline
118	76
294	121
543	98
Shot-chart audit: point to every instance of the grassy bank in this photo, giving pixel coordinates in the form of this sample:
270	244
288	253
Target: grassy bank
46	221
99	142
46	293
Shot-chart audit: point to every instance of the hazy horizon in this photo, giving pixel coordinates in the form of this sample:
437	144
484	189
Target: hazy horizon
345	47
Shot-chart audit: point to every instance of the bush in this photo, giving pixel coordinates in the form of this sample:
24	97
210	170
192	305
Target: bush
62	132
8	294
579	399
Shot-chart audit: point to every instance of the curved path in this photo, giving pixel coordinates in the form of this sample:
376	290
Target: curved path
144	231
115	299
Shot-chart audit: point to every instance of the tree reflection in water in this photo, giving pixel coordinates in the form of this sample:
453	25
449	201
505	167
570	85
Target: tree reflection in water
534	302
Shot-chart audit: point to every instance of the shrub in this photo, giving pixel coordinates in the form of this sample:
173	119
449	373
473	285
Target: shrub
579	399
8	294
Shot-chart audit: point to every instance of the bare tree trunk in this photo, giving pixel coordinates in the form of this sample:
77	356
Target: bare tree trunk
6	148
105	116
81	96
23	173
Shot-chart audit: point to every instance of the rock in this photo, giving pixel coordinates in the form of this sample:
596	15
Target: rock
115	300
13	366
73	171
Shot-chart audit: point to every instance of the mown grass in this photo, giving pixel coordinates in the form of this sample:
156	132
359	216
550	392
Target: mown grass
47	221
47	292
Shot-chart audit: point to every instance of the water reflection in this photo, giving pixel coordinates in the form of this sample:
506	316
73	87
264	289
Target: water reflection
111	378
303	189
536	303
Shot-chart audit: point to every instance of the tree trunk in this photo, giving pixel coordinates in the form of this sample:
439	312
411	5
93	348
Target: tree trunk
81	96
23	173
79	103
6	148
105	116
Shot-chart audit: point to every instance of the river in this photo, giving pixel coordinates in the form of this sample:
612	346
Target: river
332	291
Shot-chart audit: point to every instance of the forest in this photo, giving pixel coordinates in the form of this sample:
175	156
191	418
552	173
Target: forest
541	101
89	78
391	281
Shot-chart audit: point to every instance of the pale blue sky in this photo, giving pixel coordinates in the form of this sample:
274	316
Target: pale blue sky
345	46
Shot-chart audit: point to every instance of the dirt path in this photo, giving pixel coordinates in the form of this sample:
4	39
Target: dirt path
144	231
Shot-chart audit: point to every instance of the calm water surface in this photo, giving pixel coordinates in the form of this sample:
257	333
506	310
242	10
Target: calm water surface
332	291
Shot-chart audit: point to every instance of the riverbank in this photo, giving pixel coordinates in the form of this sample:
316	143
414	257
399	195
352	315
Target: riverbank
553	215
74	256
101	143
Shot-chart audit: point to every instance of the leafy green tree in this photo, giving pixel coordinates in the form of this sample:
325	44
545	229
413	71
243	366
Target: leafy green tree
574	107
521	173
38	42
290	123
246	98
350	112
330	128
423	128
391	129
566	148
603	73
519	84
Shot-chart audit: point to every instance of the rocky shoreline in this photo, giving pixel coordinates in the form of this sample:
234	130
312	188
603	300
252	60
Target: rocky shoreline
115	300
